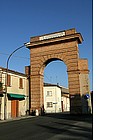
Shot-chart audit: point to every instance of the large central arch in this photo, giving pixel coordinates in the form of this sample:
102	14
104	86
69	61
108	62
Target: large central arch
62	46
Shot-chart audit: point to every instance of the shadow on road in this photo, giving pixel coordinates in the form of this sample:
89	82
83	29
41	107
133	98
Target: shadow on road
69	126
76	117
68	131
60	126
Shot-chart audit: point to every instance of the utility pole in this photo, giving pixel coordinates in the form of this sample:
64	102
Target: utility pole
6	81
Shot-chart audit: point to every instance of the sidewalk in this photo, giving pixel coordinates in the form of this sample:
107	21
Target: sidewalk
17	118
76	117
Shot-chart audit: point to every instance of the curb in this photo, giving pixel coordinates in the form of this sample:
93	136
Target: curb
14	119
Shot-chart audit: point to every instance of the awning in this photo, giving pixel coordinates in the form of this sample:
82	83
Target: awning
12	96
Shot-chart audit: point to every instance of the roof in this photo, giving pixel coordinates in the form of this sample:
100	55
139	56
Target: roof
49	84
13	72
64	90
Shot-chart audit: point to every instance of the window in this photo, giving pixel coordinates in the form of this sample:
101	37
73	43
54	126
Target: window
1	86
49	93
20	83
9	80
49	104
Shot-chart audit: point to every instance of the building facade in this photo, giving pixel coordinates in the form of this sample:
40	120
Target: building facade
17	98
56	99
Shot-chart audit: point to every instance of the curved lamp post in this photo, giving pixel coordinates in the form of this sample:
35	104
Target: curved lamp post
6	81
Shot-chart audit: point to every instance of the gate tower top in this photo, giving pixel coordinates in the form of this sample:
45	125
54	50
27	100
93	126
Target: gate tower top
56	37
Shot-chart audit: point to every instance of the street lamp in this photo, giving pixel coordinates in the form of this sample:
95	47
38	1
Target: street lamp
6	81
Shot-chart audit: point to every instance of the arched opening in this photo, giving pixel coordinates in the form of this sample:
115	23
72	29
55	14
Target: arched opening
55	72
63	46
56	93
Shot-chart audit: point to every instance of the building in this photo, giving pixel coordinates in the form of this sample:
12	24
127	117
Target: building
65	100
56	98
17	99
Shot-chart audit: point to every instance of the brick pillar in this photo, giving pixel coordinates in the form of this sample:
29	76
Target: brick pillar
27	70
78	89
37	93
74	90
84	86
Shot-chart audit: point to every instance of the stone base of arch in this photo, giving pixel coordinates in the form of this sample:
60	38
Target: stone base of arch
79	103
36	99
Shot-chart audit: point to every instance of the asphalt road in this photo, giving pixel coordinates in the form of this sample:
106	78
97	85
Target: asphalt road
49	127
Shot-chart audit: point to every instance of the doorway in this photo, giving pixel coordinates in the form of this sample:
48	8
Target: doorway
14	108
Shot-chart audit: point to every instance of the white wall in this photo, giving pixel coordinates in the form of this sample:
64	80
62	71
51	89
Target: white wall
55	99
66	103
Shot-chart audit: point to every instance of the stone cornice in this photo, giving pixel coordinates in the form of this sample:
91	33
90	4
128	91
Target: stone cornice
73	36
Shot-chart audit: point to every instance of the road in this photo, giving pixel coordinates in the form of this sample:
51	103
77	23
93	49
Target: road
48	127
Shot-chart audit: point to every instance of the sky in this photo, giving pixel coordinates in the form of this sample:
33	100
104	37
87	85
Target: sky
20	20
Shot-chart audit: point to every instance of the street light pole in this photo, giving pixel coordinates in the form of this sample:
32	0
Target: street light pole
6	81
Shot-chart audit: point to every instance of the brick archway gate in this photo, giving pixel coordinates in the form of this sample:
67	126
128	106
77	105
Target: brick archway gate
62	46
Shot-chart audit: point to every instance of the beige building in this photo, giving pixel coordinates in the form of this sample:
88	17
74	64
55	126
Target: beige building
56	99
17	99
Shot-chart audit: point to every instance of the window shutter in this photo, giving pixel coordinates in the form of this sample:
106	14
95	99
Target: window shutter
8	80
